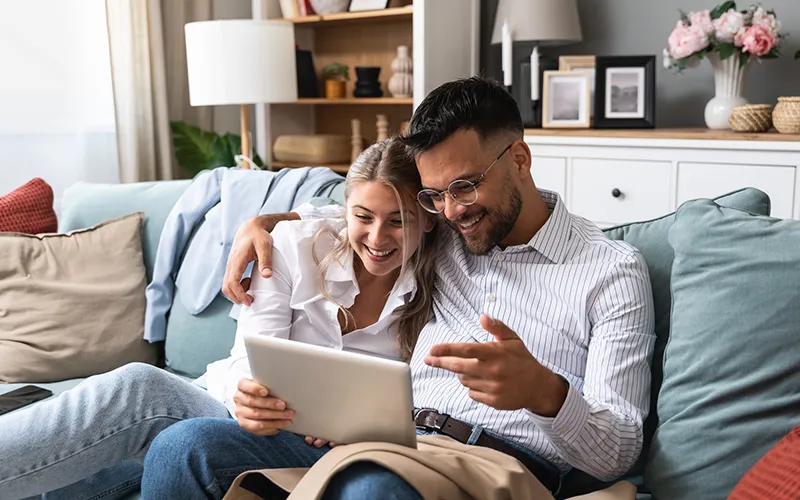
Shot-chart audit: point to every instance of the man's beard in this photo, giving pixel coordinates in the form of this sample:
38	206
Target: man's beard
501	222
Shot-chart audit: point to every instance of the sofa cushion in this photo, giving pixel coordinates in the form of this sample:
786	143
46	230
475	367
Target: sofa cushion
84	205
29	209
650	237
732	363
73	304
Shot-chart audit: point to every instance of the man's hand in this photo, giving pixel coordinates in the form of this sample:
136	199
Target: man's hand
251	242
259	413
502	374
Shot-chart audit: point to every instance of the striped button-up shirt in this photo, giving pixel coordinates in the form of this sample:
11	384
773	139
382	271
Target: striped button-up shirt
583	306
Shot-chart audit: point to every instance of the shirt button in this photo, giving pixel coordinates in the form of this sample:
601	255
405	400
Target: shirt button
491	297
500	257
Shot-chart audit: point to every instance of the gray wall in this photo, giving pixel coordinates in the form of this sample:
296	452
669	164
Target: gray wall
637	27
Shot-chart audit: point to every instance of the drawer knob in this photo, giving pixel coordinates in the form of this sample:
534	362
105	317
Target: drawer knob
616	193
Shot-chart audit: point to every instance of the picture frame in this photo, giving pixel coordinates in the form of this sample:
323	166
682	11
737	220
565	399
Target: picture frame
364	5
580	63
566	99
625	92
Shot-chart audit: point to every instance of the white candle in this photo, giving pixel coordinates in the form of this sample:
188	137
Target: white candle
535	74
507	57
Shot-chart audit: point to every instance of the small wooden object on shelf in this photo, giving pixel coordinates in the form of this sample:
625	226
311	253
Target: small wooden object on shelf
751	118
383	127
786	115
677	133
357	140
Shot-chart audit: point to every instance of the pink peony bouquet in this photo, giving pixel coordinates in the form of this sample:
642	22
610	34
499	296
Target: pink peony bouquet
752	33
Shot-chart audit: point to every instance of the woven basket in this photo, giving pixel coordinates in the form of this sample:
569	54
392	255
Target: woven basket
751	118
312	149
787	115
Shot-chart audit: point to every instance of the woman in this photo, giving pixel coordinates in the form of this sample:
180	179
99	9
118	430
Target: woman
374	271
380	255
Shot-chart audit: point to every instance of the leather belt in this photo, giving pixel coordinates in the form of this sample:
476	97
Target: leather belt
432	420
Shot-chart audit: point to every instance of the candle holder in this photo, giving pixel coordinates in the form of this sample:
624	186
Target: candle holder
531	111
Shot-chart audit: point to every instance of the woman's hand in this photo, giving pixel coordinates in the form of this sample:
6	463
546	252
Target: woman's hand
258	412
318	443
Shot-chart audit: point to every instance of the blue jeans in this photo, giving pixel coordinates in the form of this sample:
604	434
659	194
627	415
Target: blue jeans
200	458
90	442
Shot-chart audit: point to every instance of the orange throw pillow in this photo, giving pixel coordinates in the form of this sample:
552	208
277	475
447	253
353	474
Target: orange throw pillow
29	209
776	476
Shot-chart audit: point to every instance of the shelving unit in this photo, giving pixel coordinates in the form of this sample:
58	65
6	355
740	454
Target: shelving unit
371	39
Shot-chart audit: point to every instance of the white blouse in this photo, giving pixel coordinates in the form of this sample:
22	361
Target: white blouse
290	305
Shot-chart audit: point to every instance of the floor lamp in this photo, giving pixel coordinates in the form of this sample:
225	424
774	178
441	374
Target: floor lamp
241	62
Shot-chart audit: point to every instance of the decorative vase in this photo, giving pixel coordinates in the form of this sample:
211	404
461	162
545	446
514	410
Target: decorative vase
786	115
335	89
729	77
367	84
329	6
401	84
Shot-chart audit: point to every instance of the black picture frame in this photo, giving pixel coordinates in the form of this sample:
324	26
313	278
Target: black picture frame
603	117
378	5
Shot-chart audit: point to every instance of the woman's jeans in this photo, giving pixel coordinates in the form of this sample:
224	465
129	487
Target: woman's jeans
90	442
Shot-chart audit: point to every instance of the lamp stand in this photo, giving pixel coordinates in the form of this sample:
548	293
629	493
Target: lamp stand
245	126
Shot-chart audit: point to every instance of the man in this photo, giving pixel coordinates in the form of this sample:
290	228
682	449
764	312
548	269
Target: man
542	329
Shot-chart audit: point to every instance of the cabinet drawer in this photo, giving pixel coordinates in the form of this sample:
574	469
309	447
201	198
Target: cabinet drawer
709	180
550	173
619	191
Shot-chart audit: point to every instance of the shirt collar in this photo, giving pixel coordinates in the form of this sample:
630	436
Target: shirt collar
552	239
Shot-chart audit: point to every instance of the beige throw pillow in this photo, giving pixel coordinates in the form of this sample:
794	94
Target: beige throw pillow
72	305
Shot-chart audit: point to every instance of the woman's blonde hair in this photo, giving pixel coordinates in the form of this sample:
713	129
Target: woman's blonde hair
387	162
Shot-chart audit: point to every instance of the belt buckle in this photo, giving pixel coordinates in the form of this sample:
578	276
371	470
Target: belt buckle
439	422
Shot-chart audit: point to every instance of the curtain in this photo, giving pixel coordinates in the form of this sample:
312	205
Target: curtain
148	72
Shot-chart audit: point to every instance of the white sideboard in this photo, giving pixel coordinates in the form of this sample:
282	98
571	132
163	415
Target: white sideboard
615	176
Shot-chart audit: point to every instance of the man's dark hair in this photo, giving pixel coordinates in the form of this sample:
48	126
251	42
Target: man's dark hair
475	103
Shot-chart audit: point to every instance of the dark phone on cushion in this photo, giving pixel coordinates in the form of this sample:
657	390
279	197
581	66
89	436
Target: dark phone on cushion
23	396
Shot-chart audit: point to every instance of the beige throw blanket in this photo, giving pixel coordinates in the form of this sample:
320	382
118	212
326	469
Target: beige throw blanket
440	468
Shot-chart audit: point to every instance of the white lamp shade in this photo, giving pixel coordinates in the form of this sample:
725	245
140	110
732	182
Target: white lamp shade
550	22
240	62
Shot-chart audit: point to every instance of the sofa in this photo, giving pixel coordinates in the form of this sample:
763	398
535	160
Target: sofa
685	447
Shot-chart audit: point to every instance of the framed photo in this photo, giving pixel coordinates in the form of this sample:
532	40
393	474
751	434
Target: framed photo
567	97
625	95
362	5
579	63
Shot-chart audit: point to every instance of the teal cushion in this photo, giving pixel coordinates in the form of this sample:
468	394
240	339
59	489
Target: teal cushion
650	237
195	341
731	384
85	205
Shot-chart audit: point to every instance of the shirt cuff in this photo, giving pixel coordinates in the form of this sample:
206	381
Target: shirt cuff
306	211
568	424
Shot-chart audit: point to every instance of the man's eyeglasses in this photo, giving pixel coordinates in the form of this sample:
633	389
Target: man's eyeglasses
461	191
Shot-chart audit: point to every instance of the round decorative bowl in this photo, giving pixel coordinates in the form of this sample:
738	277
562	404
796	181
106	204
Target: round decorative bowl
786	115
751	118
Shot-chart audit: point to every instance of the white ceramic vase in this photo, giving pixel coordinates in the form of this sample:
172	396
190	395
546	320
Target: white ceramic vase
729	79
401	83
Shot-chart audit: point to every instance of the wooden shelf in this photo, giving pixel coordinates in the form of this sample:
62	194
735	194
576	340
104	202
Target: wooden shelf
701	134
407	101
341	169
371	16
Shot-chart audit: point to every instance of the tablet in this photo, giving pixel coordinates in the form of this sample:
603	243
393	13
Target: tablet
339	396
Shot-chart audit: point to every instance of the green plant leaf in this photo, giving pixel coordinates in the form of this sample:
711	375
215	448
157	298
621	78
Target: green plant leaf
726	50
743	58
195	149
722	8
684	17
